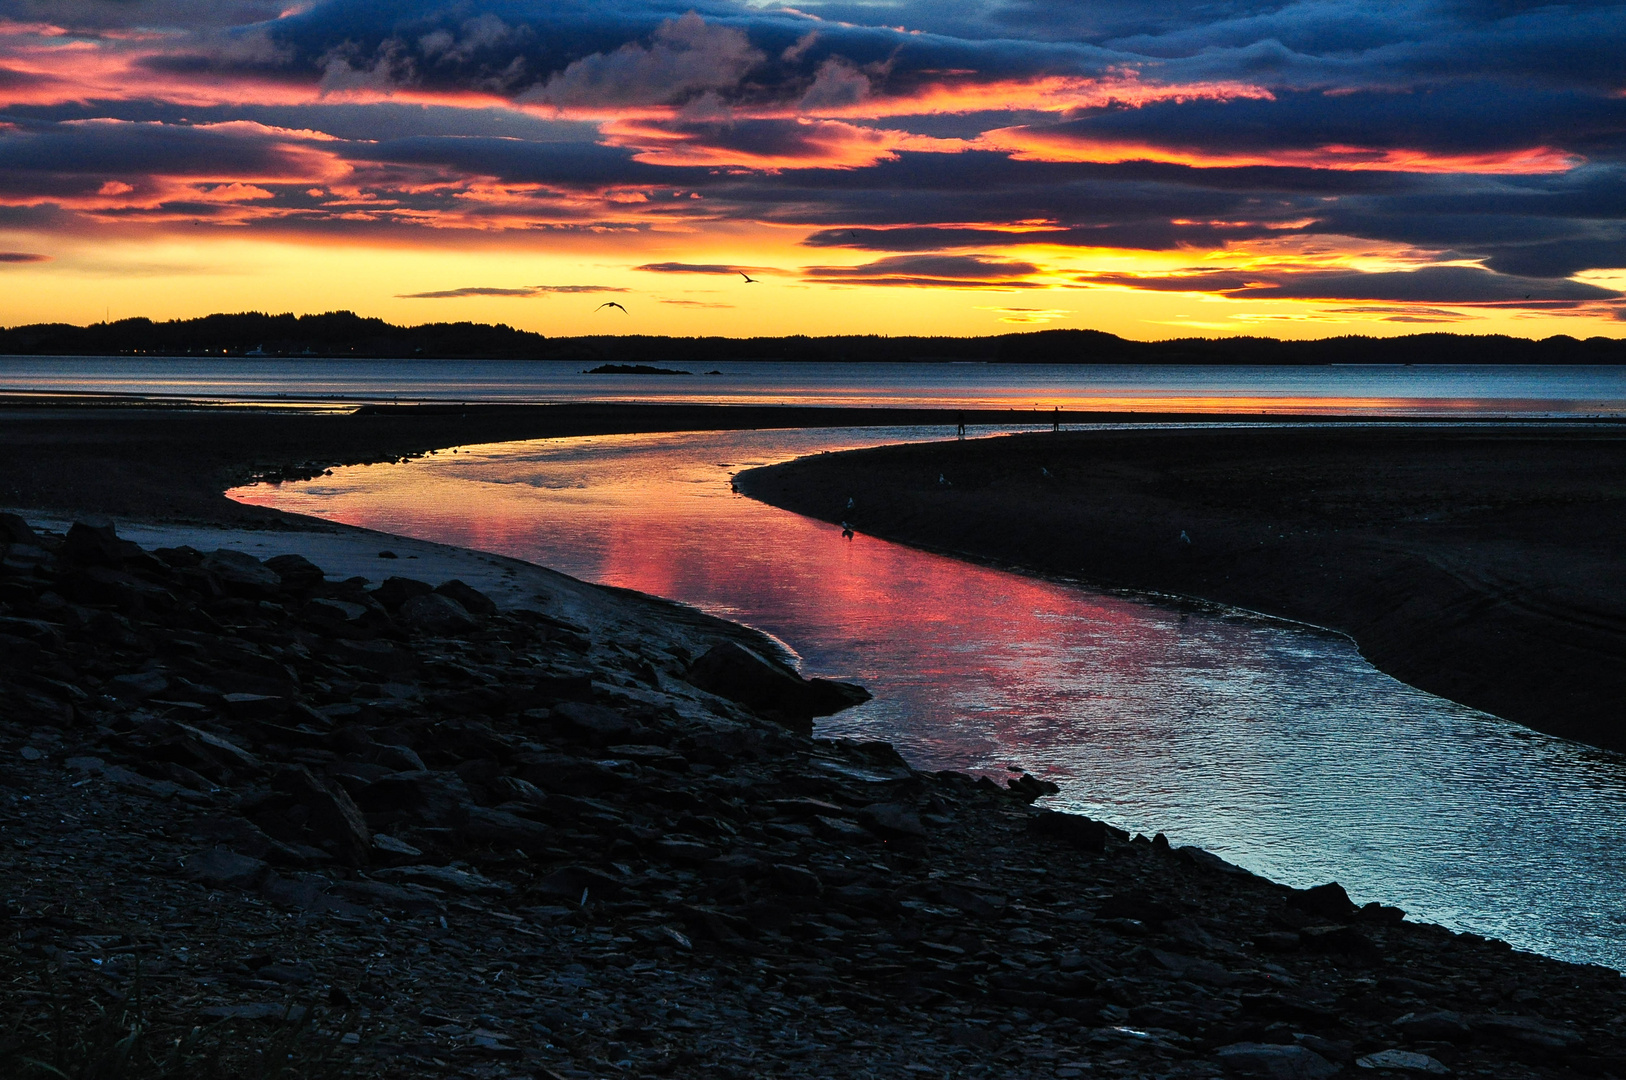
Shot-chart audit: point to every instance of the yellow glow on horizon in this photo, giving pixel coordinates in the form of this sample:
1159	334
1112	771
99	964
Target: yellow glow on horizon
87	281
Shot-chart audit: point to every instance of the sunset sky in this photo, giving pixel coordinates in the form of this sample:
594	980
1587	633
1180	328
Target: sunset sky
892	166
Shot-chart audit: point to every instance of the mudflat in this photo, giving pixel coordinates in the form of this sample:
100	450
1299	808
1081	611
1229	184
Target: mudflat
1479	562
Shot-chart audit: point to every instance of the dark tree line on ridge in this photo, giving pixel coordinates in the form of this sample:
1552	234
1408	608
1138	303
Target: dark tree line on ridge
346	335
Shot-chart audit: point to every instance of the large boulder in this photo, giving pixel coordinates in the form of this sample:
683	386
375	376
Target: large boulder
1073	829
732	671
433	613
296	571
398	590
1329	901
242	573
14	530
96	545
471	599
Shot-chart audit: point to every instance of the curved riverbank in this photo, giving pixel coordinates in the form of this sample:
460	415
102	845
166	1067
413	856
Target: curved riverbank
1479	563
461	835
147	459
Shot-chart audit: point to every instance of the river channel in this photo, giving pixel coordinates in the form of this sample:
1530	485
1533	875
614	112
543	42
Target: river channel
1274	745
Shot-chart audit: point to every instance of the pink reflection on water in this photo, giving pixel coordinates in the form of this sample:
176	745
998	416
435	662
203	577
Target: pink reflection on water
1370	390
987	666
1279	748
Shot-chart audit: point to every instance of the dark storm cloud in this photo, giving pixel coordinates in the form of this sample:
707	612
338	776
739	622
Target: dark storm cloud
1430	285
103	149
489	290
572	54
989	186
686	268
1147	235
1439	87
11	79
374	121
516	161
1466	118
1560	258
930	271
512	46
94	16
471	290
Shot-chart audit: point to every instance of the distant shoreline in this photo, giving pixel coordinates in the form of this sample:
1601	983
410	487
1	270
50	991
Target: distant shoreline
344	335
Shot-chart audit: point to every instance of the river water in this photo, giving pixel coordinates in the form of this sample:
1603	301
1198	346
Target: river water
1276	746
1369	389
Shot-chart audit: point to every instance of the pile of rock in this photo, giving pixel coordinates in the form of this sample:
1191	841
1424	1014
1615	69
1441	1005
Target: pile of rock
565	853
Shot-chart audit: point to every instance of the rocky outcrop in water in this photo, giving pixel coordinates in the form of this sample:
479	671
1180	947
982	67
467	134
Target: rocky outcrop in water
467	841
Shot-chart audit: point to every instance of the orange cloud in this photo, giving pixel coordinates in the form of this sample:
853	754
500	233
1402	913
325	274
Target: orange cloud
799	144
1036	144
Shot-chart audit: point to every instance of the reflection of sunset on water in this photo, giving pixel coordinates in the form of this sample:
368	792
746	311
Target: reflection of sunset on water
1279	748
990	666
1218	390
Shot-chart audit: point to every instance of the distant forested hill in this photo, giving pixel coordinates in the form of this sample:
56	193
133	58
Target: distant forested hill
343	334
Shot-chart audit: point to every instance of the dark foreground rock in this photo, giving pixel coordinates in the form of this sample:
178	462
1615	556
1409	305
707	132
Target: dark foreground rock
492	844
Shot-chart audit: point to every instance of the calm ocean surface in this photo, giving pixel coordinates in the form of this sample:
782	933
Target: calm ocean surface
1350	390
1273	745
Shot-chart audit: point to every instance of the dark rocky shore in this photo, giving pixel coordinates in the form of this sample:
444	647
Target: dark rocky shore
1481	562
398	831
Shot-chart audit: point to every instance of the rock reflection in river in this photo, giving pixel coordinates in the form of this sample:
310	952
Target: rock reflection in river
1278	747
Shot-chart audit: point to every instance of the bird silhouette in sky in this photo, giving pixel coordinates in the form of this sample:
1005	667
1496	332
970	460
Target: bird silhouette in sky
749	280
611	303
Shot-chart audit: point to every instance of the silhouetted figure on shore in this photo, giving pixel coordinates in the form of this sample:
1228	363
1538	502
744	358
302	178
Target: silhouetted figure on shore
960	419
1055	423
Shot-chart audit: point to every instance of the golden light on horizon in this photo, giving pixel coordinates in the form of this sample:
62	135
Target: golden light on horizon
872	179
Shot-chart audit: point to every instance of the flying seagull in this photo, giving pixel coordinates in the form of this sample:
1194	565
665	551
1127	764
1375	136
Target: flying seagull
749	280
611	303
